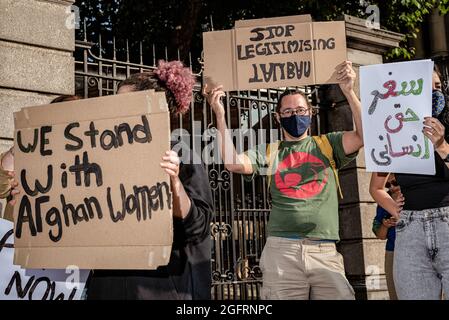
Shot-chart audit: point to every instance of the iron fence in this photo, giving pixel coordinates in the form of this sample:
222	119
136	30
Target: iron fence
241	207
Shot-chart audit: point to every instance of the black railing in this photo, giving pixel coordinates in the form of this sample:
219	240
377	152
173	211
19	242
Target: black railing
241	207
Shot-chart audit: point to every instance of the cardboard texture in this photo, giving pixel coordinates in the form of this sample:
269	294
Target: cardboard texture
105	204
274	52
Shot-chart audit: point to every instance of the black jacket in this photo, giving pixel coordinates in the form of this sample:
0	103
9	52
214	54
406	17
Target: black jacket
188	274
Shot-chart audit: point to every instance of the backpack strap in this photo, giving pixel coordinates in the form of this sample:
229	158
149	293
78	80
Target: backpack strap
327	150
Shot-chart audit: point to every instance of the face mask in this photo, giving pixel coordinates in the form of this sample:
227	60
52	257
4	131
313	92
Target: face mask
438	103
296	125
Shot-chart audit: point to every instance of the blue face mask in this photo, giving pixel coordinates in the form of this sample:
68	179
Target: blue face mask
438	103
296	125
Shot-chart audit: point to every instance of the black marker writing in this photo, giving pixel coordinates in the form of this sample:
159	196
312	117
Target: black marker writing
31	286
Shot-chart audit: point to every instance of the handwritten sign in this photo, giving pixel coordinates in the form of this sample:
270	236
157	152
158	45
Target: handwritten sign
21	284
94	195
274	53
395	98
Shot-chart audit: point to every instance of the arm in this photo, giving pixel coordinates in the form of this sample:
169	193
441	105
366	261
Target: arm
383	199
234	162
352	140
181	201
195	227
192	200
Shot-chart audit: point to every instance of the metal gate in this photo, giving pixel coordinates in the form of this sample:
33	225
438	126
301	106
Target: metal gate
241	207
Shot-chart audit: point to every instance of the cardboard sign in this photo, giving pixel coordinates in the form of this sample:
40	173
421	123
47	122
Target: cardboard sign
274	52
93	192
21	284
395	99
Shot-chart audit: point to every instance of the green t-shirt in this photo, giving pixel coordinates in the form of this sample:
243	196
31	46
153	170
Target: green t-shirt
303	187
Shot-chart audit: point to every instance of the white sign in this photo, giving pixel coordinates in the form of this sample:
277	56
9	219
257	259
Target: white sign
29	284
395	99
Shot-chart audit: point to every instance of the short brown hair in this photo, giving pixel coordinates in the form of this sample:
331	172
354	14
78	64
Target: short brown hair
289	92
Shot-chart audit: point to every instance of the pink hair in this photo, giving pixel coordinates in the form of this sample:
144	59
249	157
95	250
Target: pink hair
179	80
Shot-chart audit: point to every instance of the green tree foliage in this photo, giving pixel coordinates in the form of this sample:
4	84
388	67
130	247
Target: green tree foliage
178	24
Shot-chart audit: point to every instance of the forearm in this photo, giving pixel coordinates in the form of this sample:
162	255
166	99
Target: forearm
181	201
384	200
356	109
443	151
353	140
232	161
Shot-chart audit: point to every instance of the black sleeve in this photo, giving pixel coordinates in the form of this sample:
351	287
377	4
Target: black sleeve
196	226
442	171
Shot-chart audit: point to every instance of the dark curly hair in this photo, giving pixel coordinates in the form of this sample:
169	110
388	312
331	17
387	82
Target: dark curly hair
146	81
65	98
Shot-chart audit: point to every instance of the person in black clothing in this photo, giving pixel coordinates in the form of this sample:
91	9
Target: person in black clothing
188	274
421	255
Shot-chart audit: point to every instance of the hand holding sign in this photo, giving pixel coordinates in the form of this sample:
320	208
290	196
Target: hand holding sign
171	164
347	75
434	130
214	99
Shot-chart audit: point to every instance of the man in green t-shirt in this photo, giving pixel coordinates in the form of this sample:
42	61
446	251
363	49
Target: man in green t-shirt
299	260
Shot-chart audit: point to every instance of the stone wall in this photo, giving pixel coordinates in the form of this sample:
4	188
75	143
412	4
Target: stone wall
36	61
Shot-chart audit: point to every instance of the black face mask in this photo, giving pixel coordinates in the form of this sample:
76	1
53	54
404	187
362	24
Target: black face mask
296	125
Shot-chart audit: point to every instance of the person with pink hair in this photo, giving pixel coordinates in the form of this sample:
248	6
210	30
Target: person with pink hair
188	274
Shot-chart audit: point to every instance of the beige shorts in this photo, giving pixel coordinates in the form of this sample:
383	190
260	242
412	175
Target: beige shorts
302	269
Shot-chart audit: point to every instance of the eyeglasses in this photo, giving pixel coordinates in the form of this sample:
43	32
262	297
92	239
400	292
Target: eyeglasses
290	111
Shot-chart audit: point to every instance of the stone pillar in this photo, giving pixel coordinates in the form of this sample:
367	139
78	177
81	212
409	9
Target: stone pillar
36	60
363	253
437	28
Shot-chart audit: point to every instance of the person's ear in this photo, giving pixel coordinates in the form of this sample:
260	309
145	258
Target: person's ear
277	117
